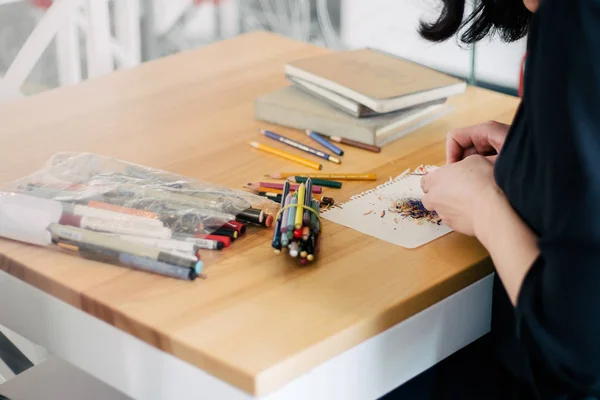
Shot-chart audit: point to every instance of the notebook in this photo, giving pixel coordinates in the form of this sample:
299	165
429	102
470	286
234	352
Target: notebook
370	213
343	103
374	79
295	109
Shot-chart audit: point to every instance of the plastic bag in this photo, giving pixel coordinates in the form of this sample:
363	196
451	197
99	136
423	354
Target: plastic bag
122	213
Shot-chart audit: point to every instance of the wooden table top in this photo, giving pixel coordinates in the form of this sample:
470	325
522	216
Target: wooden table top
259	320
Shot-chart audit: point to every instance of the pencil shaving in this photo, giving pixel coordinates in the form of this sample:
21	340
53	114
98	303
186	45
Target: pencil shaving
413	208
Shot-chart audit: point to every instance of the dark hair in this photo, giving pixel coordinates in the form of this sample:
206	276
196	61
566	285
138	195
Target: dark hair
507	18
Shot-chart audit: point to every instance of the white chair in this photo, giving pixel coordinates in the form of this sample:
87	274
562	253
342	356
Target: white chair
69	21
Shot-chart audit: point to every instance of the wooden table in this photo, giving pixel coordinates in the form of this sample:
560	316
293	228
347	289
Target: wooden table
259	326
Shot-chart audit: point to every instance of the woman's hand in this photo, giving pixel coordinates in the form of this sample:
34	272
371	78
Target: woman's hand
484	139
459	192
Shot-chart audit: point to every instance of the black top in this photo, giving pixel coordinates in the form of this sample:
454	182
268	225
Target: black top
549	170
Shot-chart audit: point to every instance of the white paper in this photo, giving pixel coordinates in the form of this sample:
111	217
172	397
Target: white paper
392	227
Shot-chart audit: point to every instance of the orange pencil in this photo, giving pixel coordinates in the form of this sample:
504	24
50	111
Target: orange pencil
287	156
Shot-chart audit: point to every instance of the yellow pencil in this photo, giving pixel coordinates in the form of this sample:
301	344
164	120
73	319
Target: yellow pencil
287	156
300	210
318	175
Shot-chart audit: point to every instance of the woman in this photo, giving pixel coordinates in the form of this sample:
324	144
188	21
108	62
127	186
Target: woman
536	208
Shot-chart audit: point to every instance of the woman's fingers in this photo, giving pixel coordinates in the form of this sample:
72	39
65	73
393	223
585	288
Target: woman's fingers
484	139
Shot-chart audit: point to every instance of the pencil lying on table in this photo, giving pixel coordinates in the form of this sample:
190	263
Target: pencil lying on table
287	156
323	175
354	143
273	185
320	182
322	199
300	146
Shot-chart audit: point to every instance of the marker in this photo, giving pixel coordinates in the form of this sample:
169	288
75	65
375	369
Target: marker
164	244
104	254
299	210
324	142
85	211
230	233
123	210
222	239
321	175
115	226
206	244
287	156
321	182
300	146
239	227
82	236
255	216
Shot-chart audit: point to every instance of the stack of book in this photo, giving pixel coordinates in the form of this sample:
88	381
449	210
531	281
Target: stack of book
364	95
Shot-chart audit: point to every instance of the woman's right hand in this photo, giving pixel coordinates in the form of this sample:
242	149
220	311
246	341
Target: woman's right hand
484	139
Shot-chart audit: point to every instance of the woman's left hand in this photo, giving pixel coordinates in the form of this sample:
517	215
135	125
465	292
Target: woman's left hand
458	191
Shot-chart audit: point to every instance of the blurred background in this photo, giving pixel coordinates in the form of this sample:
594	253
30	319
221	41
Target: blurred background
98	36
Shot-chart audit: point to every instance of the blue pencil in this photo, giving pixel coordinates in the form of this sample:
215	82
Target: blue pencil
324	142
300	146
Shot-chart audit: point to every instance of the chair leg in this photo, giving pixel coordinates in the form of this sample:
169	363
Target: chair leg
12	356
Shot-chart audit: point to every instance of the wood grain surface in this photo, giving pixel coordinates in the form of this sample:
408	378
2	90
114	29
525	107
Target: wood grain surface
259	320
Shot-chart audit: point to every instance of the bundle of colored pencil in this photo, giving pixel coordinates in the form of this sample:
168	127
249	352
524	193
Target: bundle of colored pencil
298	226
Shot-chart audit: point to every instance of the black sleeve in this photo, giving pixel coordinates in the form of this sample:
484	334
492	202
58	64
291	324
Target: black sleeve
558	310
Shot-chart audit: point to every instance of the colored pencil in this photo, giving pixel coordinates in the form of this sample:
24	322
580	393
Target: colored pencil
353	143
275	185
320	182
299	210
300	146
329	201
292	215
287	156
319	175
286	213
324	142
276	242
307	200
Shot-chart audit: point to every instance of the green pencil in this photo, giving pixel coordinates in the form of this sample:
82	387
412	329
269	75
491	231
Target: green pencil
317	182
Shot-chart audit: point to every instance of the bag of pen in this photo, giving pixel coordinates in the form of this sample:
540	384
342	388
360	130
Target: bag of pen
121	213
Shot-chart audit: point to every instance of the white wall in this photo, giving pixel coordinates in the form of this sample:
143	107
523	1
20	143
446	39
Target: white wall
499	63
391	25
